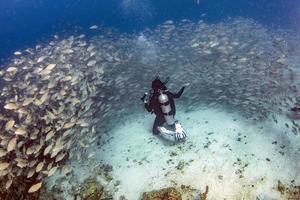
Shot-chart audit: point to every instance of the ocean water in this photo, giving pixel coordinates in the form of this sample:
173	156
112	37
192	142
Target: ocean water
25	23
73	73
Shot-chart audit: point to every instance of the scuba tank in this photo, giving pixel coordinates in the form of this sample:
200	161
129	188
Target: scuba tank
166	108
177	133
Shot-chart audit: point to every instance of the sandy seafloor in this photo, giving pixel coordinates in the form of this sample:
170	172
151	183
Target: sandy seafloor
236	157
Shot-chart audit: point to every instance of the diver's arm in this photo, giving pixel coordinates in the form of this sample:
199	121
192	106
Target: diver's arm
178	94
148	107
146	102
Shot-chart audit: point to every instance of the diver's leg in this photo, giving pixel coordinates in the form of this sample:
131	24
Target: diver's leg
155	125
157	122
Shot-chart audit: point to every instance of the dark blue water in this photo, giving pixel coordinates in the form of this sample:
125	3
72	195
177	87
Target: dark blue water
23	23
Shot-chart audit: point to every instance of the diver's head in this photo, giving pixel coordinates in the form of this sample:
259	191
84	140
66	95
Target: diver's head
157	84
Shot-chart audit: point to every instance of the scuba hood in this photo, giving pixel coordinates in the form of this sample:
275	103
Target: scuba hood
157	84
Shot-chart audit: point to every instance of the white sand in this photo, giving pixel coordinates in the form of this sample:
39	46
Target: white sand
143	162
134	143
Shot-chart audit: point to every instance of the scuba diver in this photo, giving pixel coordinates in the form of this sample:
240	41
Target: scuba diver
161	102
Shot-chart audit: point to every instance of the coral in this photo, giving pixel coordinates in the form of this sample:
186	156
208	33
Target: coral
170	193
204	195
91	190
293	192
280	187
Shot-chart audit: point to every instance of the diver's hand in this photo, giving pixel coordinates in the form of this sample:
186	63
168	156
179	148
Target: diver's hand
186	84
144	97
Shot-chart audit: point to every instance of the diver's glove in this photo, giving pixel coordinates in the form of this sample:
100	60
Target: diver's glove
144	97
186	85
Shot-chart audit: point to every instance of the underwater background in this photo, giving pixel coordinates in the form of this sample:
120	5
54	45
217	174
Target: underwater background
73	126
23	23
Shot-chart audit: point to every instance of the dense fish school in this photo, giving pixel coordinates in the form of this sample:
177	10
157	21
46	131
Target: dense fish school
59	97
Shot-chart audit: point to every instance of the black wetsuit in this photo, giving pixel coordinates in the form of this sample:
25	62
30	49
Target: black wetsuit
154	106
